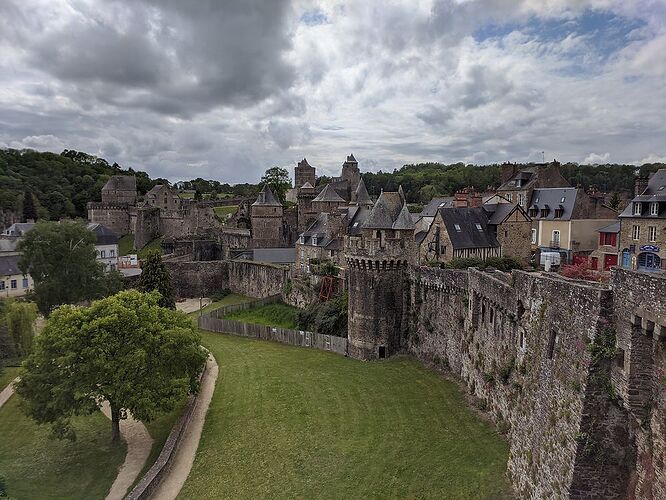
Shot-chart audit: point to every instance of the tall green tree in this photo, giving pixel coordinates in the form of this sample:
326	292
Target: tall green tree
124	349
277	179
29	209
615	201
155	276
20	318
61	258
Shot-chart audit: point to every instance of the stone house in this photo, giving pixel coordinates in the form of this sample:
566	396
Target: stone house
643	226
518	184
606	254
566	220
13	283
106	244
163	197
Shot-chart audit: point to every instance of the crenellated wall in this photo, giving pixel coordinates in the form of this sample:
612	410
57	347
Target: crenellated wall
539	353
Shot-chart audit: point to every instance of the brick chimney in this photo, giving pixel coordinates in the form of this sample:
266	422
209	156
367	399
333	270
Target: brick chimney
640	185
460	198
467	198
476	200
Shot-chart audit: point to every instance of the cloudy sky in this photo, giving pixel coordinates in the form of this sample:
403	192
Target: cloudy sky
225	89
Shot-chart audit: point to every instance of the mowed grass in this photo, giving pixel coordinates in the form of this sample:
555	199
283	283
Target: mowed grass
232	298
36	466
7	374
289	422
222	212
281	315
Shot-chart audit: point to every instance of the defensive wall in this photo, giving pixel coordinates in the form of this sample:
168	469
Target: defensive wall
566	367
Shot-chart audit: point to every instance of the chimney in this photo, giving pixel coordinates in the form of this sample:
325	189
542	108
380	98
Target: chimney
640	185
508	171
476	200
460	198
467	198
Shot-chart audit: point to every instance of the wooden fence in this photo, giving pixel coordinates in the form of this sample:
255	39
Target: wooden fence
215	322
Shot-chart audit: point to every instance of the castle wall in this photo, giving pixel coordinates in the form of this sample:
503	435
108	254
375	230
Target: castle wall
147	226
523	344
198	279
114	216
257	279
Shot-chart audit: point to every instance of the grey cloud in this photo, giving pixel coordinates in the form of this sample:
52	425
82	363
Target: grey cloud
435	116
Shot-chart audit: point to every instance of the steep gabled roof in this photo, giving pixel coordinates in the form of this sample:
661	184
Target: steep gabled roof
329	194
351	158
499	212
404	220
267	198
362	196
120	183
554	198
430	210
468	228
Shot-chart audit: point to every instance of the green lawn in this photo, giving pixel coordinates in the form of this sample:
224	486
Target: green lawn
7	374
232	298
279	314
289	422
35	466
126	246
222	212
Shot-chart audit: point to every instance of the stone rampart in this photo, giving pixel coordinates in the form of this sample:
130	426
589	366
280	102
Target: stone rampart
198	279
257	279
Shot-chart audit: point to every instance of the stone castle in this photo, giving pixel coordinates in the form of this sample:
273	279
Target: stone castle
574	371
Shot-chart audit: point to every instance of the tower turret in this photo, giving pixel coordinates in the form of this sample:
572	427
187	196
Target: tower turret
378	262
266	216
304	174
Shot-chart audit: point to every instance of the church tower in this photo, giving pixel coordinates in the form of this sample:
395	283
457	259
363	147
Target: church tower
378	261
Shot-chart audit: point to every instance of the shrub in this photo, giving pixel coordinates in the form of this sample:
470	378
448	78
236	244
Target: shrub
220	294
500	263
328	318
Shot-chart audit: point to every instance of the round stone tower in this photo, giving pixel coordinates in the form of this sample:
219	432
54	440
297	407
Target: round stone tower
379	261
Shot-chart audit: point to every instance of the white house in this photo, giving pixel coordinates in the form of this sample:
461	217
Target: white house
106	244
13	283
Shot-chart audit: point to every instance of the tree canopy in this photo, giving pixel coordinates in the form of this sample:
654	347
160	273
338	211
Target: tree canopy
278	180
155	276
61	258
124	349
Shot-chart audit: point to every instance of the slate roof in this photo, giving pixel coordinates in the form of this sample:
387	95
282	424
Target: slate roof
362	196
303	164
274	255
385	212
307	185
612	228
498	212
430	210
554	198
525	176
351	158
655	192
329	194
267	198
18	228
120	183
9	244
321	230
357	215
9	265
103	235
404	220
461	225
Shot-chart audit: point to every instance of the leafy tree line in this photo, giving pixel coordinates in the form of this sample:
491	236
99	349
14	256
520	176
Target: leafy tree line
421	182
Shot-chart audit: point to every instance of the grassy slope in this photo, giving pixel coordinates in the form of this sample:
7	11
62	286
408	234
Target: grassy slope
126	246
281	315
222	212
7	374
35	466
289	422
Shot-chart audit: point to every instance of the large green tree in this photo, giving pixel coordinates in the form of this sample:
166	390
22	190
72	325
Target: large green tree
61	258
124	349
155	276
20	318
277	179
29	209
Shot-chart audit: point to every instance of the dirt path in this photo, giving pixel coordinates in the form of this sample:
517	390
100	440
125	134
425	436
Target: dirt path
192	305
7	392
182	464
139	444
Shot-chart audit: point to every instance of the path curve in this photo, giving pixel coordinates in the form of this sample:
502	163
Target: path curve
175	478
139	444
7	392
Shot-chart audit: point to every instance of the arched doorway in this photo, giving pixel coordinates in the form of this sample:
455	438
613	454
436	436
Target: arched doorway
648	261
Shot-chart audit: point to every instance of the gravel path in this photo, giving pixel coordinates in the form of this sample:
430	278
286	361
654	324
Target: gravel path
7	392
192	305
139	444
187	449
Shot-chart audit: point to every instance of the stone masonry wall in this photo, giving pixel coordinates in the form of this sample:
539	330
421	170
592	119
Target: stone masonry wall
257	279
198	279
523	345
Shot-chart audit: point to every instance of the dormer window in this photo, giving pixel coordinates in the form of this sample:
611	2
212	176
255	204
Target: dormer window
559	212
314	240
509	197
563	199
457	226
654	208
544	212
637	208
533	212
478	227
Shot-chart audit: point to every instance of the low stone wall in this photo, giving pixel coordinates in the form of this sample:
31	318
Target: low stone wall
198	279
152	479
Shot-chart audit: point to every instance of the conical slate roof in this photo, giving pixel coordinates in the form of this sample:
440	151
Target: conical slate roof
362	196
307	185
351	158
385	212
267	198
329	194
404	220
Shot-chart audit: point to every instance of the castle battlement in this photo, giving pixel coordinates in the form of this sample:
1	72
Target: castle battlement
383	249
100	205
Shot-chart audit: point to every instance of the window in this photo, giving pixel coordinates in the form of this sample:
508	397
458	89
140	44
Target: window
301	239
637	208
534	236
112	253
26	284
2	285
636	232
652	233
559	212
533	212
14	284
457	227
544	212
102	254
522	339
478	227
609	239
314	240
521	199
552	342
654	208
556	237
509	197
